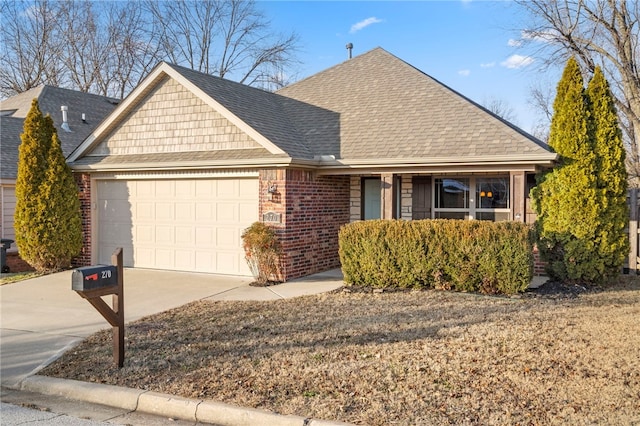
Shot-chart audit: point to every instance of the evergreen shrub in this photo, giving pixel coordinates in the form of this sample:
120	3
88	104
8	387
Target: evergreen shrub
581	203
47	217
470	256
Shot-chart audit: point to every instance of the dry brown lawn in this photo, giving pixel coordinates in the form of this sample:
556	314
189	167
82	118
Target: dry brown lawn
424	358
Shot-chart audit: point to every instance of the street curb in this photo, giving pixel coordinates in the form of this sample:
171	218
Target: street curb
163	404
113	396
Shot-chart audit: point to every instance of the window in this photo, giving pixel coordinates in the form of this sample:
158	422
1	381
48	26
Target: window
371	202
371	192
452	198
482	198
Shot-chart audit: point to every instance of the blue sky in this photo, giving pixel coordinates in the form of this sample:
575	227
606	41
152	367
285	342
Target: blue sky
471	46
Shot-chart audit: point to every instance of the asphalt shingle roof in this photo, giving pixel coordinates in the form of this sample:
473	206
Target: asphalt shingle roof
50	99
9	142
372	109
390	110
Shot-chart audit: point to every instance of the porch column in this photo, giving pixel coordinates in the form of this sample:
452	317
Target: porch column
518	188
388	196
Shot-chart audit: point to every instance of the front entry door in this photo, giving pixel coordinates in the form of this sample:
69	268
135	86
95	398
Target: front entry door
421	204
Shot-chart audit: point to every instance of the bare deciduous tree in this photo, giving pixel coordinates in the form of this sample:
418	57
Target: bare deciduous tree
133	48
226	38
596	32
30	46
109	47
84	50
501	108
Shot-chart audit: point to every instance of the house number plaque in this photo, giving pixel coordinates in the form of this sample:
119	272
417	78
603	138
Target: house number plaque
271	217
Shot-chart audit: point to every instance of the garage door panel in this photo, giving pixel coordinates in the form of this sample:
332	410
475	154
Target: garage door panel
205	212
184	236
144	211
246	213
113	192
184	189
227	212
227	189
144	234
115	205
184	212
164	235
189	224
116	233
164	188
227	238
164	211
142	189
227	262
205	189
165	257
144	257
184	260
205	237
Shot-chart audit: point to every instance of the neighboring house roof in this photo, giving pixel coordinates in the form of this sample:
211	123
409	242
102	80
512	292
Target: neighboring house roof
50	99
371	111
10	129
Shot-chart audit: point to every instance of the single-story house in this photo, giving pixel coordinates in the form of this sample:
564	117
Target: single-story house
82	112
187	161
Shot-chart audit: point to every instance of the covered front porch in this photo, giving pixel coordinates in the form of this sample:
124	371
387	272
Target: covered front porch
494	196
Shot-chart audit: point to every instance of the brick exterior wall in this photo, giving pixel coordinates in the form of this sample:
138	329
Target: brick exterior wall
83	180
312	209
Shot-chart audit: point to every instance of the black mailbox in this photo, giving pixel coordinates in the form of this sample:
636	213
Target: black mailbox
93	277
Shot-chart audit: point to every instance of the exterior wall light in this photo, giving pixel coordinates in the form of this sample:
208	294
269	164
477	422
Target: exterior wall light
272	189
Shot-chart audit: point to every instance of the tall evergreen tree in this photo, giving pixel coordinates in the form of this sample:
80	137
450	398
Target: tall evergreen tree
566	198
47	217
611	175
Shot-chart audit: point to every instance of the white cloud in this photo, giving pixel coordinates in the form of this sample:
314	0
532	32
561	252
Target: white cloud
517	61
547	36
364	23
488	65
514	43
464	73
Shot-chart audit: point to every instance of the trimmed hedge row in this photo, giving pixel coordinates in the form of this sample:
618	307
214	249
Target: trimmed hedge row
461	255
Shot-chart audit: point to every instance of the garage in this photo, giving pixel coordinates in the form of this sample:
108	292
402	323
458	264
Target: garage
176	224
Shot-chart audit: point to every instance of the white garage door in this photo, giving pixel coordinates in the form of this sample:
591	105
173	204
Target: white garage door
182	225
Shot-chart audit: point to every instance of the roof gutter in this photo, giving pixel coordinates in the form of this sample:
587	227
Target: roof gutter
173	165
546	159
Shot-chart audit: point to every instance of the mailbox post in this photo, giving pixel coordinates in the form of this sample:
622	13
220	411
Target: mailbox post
93	282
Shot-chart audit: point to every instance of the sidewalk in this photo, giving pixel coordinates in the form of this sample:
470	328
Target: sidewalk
42	318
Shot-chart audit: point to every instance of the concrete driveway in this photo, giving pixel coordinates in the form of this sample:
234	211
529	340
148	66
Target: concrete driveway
42	317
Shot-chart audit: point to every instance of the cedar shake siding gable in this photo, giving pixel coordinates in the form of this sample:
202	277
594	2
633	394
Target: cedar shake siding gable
171	120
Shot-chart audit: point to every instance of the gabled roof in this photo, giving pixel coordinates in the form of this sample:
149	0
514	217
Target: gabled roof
392	112
50	99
